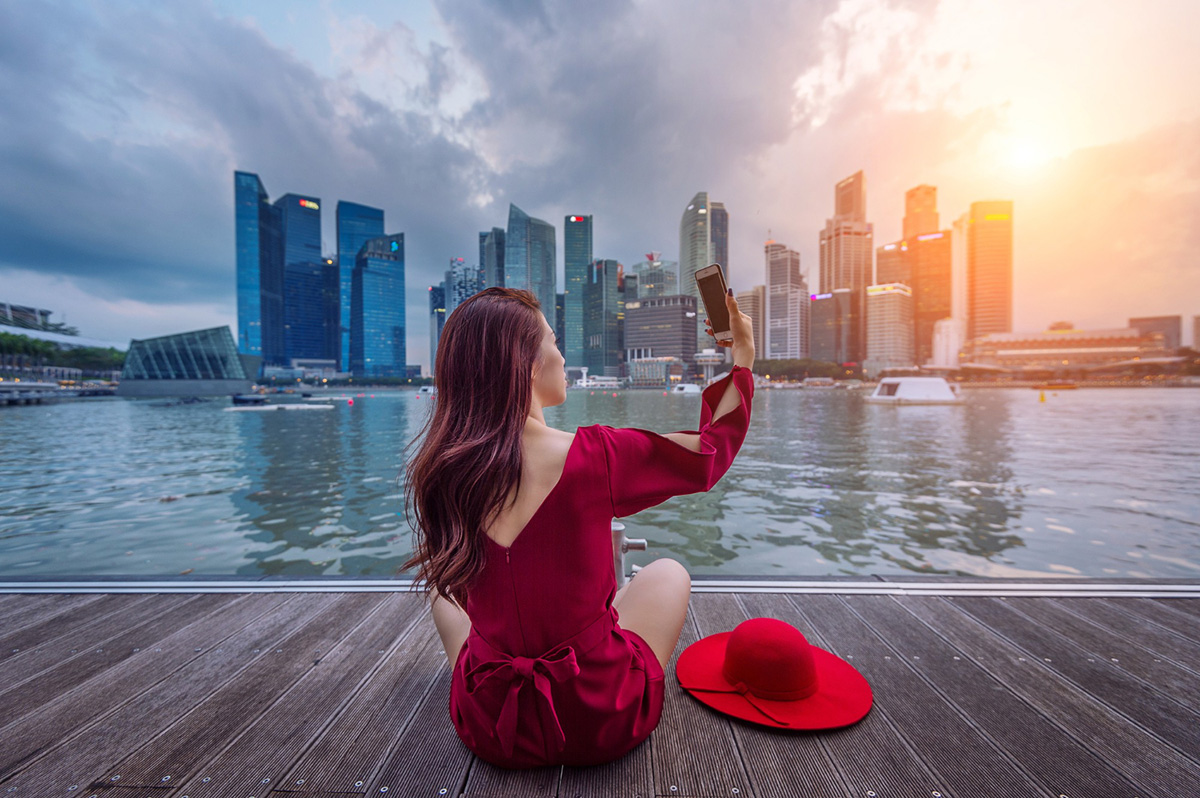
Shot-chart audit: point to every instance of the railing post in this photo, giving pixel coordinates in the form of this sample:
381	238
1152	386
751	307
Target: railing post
622	544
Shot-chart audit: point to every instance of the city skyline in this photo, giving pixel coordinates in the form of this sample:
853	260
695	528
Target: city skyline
437	116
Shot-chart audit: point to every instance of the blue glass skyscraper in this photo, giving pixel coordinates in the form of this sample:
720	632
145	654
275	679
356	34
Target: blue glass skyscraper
577	254
491	257
604	319
311	308
356	224
259	242
530	258
377	329
303	313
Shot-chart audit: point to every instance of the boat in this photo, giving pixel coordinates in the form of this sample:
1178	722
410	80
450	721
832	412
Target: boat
249	399
687	388
273	408
427	390
915	391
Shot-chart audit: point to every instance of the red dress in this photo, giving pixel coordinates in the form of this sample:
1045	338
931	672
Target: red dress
547	676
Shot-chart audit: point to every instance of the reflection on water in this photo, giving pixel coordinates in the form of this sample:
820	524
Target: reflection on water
1096	482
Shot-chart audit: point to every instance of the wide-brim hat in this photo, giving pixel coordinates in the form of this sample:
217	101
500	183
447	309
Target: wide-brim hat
765	671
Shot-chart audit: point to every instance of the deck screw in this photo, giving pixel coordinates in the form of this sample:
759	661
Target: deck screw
115	778
206	779
1114	659
1020	659
73	787
673	788
264	781
1047	659
736	791
383	789
871	793
301	781
936	794
166	778
442	791
957	658
359	784
137	649
195	649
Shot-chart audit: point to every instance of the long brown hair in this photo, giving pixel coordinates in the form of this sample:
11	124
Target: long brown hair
470	459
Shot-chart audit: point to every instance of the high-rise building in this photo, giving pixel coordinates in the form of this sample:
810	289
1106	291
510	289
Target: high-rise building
889	328
1170	327
920	211
697	250
656	277
629	286
462	282
787	326
1196	333
377	328
892	264
577	254
530	258
754	304
312	310
560	314
437	318
989	268
836	326
949	335
958	269
303	268
356	224
300	217
260	244
603	319
491	257
661	327
846	241
719	232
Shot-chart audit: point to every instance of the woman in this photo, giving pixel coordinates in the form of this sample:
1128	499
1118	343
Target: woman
514	540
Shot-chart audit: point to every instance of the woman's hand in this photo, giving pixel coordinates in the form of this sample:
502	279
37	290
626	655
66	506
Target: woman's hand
742	328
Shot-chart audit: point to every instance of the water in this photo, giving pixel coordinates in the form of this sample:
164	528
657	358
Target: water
1094	482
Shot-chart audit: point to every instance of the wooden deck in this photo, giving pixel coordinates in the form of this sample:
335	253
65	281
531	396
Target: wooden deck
298	694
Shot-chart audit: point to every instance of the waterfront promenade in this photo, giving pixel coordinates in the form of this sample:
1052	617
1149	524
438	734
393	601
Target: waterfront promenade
205	689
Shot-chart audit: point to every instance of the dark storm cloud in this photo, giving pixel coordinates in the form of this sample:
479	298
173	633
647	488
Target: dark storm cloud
125	129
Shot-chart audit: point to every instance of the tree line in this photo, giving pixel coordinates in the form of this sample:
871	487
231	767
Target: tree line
21	351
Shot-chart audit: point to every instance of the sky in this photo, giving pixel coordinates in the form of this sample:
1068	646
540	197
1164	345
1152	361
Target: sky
121	124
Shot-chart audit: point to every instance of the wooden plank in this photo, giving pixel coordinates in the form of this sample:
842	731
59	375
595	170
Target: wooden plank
120	637
693	748
1156	767
66	714
485	780
20	610
428	759
900	748
1110	614
1046	751
1179	683
70	623
777	762
269	746
178	750
1106	681
78	757
1169	614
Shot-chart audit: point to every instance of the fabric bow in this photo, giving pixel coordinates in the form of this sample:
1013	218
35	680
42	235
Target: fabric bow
558	666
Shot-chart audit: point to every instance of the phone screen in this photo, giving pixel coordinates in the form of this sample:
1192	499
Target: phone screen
712	291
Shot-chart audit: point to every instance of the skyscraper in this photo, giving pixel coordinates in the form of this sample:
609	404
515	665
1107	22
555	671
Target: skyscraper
530	257
311	311
604	319
491	257
259	241
754	304
461	283
437	318
304	275
719	232
889	328
698	248
377	327
836	326
989	268
920	211
656	277
787	305
577	254
846	241
356	224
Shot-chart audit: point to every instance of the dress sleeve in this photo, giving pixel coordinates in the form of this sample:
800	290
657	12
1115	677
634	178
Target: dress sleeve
646	468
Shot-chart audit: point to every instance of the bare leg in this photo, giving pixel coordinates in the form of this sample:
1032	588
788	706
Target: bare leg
452	624
654	604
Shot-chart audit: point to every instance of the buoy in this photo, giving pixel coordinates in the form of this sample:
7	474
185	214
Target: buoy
1041	396
614	394
351	403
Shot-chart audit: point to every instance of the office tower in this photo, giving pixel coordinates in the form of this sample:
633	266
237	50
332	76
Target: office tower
1170	327
787	305
356	224
437	318
603	319
892	264
920	212
836	326
259	240
889	328
491	257
949	335
846	242
377	333
577	254
656	277
989	268
958	270
754	304
697	249
530	258
300	225
462	281
560	314
658	334
629	286
1196	333
719	232
312	311
932	296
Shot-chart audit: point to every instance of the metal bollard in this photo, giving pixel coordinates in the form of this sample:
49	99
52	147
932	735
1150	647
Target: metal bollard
622	544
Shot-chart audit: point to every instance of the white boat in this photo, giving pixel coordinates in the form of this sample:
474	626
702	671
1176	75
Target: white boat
427	390
915	391
602	383
688	388
273	408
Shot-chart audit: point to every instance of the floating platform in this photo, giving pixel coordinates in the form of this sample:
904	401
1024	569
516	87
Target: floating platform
269	408
270	690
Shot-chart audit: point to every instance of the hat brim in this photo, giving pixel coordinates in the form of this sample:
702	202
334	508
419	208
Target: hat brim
842	698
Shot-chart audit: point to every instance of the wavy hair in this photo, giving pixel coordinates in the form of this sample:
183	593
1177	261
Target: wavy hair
471	455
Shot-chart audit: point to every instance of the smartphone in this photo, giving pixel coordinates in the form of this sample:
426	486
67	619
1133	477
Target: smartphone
711	280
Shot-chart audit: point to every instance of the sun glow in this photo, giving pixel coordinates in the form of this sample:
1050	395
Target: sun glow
1025	153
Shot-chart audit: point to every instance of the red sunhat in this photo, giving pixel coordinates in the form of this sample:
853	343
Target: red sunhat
765	671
